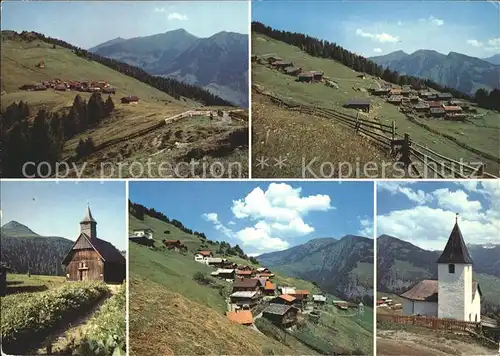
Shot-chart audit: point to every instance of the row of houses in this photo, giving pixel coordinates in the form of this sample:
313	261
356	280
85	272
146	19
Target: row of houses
288	68
62	85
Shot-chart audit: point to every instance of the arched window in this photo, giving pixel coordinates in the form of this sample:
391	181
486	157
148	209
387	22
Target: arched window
451	268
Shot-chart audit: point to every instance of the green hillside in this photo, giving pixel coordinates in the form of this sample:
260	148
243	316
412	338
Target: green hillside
192	314
480	133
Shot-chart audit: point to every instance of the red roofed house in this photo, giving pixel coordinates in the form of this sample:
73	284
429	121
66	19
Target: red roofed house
269	288
91	258
174	245
202	256
243	317
284	299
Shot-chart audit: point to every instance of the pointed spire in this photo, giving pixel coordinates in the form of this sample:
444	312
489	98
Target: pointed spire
88	215
455	250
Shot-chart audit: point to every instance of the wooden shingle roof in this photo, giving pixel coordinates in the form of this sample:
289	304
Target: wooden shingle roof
455	250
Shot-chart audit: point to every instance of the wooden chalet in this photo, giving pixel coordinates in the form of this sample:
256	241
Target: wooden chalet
282	64
109	90
319	299
380	91
317	76
305	77
395	91
452	109
244	273
281	315
91	258
175	245
224	273
293	71
437	112
205	253
395	99
269	288
130	99
444	96
421	107
272	59
243	317
363	105
284	299
245	298
247	285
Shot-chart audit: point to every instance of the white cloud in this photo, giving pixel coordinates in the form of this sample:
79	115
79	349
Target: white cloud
280	202
417	196
366	227
429	227
177	16
379	37
378	50
436	21
259	237
160	9
475	43
231	223
211	217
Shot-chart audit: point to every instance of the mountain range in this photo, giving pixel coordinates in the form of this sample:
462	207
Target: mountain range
401	264
343	267
25	251
455	70
218	63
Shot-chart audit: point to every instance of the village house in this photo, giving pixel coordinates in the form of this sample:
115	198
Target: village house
414	98
284	299
317	76
216	262
319	299
175	245
405	92
359	104
227	274
421	107
437	112
301	297
460	103
380	91
130	99
109	90
281	315
454	295
305	77
247	285
282	64
395	91
272	59
141	240
287	290
245	299
395	99
340	304
450	110
243	317
265	275
146	232
263	270
91	258
293	71
202	256
269	288
444	96
244	273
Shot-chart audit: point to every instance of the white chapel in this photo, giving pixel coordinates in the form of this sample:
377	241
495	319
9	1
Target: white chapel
454	295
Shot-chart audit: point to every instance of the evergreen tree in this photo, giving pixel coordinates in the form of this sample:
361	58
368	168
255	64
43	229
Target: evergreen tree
110	106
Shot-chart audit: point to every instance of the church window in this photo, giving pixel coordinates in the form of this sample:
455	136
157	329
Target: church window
451	268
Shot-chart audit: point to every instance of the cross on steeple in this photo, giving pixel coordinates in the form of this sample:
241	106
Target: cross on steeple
456	218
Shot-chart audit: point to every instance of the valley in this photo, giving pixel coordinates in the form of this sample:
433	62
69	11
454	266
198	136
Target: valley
194	301
321	107
168	124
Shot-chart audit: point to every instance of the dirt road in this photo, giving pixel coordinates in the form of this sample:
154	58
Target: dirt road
404	343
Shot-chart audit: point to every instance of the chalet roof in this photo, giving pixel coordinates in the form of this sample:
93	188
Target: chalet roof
287	290
292	69
455	250
445	96
242	317
452	108
358	102
246	283
269	286
277	309
214	260
301	291
426	290
225	270
88	216
395	98
244	294
204	253
437	110
287	297
106	250
244	272
306	74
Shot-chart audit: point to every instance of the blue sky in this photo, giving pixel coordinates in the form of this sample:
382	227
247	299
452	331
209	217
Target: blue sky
87	24
52	208
373	28
424	213
263	216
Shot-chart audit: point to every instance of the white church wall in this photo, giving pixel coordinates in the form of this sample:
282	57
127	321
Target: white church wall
476	307
452	290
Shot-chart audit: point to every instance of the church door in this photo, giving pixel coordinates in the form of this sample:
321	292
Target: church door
83	275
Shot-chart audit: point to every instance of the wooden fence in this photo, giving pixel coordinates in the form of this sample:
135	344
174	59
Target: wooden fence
386	137
430	322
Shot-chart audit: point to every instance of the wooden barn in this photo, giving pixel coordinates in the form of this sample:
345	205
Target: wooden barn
91	258
130	99
281	315
363	105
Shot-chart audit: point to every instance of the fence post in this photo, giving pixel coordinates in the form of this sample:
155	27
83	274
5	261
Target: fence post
480	171
405	150
393	130
356	126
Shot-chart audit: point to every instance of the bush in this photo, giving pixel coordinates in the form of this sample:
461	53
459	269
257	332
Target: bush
201	278
32	316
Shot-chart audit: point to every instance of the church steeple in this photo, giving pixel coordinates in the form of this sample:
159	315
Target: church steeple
455	250
88	224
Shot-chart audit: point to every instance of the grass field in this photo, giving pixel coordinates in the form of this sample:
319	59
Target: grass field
21	283
193	320
483	135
